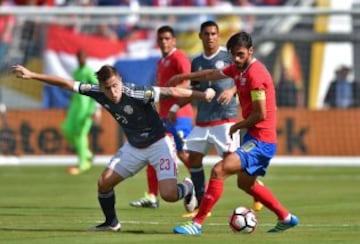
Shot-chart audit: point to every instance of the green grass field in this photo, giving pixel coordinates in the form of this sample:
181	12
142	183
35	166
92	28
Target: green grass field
44	205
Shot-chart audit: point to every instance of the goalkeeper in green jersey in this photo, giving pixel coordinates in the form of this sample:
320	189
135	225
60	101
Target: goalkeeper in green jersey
80	115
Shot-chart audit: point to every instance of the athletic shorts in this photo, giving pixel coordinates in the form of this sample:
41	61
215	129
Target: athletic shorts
161	155
255	155
201	138
180	130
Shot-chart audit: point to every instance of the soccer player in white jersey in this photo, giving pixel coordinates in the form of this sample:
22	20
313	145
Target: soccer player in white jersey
133	108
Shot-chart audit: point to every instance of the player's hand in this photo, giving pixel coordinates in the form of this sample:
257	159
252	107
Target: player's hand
233	129
21	72
209	94
171	117
225	97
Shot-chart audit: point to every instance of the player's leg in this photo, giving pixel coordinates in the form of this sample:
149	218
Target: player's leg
69	131
83	150
198	178
267	198
255	156
162	156
226	167
132	160
152	181
257	205
77	134
150	199
70	124
197	144
197	173
106	197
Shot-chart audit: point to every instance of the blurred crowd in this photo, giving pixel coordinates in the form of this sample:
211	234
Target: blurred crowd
133	27
129	27
156	3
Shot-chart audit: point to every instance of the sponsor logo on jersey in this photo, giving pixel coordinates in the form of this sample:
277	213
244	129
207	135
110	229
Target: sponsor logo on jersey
220	64
167	63
243	81
128	109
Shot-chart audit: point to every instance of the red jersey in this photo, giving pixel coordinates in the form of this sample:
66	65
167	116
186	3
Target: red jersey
174	63
256	77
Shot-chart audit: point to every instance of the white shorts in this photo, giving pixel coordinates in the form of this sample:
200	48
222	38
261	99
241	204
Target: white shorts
201	138
161	155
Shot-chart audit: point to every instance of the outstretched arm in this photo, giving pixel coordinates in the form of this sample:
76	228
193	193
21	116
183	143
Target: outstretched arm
24	73
180	92
202	75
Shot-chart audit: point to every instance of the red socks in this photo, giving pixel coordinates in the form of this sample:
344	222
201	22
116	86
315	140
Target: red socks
266	197
212	195
259	192
152	181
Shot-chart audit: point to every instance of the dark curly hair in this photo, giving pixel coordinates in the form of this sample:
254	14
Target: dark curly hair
239	39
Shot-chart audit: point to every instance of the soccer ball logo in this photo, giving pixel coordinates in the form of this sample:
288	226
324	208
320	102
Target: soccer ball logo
243	220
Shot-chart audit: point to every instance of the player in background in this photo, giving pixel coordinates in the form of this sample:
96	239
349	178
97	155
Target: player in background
256	94
173	62
133	108
80	115
214	119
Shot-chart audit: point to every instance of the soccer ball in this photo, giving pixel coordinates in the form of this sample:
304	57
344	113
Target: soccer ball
243	220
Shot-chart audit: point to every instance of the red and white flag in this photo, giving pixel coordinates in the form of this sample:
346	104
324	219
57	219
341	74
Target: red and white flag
63	44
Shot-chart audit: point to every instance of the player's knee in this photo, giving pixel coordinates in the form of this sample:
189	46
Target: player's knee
243	187
217	171
223	169
103	186
246	183
169	196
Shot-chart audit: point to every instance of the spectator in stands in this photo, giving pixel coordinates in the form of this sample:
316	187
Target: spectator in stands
268	2
247	21
356	93
107	31
34	2
127	22
340	92
228	24
32	31
7	23
145	2
286	91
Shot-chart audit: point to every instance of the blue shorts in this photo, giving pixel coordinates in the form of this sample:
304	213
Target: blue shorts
180	130
255	155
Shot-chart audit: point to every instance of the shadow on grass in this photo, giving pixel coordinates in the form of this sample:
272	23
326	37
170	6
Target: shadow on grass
61	230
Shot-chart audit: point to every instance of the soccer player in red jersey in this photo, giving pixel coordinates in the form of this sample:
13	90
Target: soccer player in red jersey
255	89
173	62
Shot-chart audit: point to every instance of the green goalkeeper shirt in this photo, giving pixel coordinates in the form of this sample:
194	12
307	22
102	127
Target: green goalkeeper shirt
81	107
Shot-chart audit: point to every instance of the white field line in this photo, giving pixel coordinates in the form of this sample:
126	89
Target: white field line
209	160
